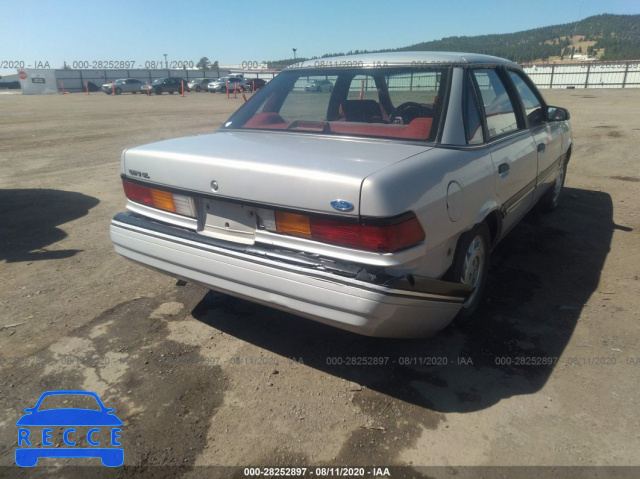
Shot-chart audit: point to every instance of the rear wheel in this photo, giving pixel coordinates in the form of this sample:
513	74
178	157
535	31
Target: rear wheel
470	266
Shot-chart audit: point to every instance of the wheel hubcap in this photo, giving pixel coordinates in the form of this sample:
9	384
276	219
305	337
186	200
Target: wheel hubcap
473	266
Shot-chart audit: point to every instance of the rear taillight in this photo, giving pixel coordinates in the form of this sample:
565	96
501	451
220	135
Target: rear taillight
384	238
163	200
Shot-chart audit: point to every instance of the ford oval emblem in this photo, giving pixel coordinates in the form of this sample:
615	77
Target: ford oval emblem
341	205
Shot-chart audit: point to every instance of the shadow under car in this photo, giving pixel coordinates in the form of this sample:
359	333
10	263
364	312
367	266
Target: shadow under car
541	275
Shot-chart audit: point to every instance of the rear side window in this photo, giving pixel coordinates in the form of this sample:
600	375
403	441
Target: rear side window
498	108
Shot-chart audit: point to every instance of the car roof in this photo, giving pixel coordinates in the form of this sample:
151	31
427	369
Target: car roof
404	58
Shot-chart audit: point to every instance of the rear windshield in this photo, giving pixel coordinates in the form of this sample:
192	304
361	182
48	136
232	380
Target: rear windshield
397	102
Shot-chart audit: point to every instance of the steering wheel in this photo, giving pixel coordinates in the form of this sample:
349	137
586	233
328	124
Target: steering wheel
406	112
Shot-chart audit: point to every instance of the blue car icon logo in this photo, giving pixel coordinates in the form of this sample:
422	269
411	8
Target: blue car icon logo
85	432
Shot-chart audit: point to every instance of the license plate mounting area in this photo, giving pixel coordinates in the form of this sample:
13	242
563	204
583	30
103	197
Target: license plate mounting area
227	221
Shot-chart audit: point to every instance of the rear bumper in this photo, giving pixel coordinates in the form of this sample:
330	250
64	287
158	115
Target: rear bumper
346	303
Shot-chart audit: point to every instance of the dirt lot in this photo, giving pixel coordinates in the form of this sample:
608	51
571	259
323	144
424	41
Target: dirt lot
200	379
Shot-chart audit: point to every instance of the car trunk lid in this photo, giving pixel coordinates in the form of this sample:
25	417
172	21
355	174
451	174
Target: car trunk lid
280	170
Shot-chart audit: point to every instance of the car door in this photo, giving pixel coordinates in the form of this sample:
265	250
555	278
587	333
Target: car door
512	146
131	86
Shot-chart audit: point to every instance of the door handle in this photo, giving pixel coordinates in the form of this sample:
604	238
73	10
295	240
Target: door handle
503	167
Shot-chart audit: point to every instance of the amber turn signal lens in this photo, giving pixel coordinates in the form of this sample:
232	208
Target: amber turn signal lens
163	200
293	224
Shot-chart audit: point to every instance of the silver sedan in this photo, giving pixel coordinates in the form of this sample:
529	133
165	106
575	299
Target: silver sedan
198	84
373	208
123	85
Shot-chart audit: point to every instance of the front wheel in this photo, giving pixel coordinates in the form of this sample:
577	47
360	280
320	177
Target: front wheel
470	266
197	88
118	91
551	199
158	91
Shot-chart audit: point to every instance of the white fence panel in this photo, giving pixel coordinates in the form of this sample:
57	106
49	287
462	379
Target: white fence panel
622	74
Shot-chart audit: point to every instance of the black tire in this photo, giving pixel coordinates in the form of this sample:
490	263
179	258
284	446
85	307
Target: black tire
551	198
158	91
472	252
198	88
118	91
171	92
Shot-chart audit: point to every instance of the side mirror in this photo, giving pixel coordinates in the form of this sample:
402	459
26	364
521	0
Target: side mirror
555	113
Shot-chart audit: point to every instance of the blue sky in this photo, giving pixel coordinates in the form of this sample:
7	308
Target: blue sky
256	31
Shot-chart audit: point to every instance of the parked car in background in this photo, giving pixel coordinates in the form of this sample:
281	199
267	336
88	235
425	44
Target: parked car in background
198	84
168	84
123	85
235	83
9	84
373	208
254	84
319	85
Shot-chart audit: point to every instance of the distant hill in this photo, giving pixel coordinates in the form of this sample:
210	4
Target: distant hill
607	37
